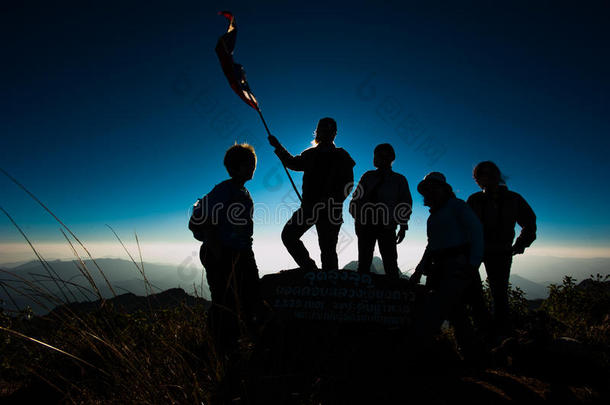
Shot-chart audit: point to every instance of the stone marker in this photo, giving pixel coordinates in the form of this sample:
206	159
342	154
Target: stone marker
342	296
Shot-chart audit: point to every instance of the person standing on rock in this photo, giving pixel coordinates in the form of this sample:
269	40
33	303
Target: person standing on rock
327	180
381	203
222	220
499	210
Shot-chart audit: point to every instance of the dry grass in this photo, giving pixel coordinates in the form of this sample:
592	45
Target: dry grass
152	356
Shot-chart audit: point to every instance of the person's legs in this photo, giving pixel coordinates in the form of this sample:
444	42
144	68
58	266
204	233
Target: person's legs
475	299
366	247
446	286
471	337
387	247
464	331
328	234
248	286
294	229
222	316
498	271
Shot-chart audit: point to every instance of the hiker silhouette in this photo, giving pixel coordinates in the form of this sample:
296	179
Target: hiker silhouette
499	209
327	180
222	220
450	262
380	203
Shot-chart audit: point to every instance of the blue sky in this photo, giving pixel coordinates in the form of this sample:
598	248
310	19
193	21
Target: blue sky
119	114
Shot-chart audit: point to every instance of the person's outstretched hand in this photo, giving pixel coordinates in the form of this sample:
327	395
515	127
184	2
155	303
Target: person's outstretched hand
401	233
273	141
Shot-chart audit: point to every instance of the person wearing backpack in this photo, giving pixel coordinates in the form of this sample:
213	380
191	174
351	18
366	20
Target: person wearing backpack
222	220
380	203
327	180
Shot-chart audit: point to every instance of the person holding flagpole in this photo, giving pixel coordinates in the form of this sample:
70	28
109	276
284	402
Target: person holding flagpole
327	180
328	170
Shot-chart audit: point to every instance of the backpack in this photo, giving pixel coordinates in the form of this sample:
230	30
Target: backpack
199	223
367	196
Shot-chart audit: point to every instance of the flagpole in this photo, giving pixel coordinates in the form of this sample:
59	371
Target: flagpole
236	75
285	169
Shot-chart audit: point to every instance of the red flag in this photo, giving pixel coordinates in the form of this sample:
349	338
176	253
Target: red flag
234	72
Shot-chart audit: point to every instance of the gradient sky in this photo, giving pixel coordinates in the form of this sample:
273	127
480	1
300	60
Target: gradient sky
119	113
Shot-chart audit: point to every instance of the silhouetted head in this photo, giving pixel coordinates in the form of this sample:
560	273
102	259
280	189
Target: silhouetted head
435	189
383	156
326	131
240	161
487	175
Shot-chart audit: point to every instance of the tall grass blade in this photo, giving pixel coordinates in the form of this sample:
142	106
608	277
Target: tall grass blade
61	223
83	268
140	270
40	259
31	339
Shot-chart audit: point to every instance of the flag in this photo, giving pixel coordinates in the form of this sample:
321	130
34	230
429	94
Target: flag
234	72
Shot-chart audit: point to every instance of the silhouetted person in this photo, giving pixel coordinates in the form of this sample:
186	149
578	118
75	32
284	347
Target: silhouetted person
381	202
222	220
327	180
450	262
499	209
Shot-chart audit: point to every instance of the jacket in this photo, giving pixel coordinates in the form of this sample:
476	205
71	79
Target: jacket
385	194
327	172
451	228
499	212
224	217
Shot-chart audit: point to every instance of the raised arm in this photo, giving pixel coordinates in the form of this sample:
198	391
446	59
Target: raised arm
292	162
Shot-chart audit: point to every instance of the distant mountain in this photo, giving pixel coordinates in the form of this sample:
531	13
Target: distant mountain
130	303
376	265
588	285
532	290
10	265
122	275
546	269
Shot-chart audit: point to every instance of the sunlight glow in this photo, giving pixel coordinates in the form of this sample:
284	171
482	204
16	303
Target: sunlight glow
271	256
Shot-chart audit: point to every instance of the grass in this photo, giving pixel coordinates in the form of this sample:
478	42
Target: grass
152	356
168	355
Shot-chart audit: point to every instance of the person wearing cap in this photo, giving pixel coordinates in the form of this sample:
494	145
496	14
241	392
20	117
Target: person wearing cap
327	180
499	210
450	261
380	203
